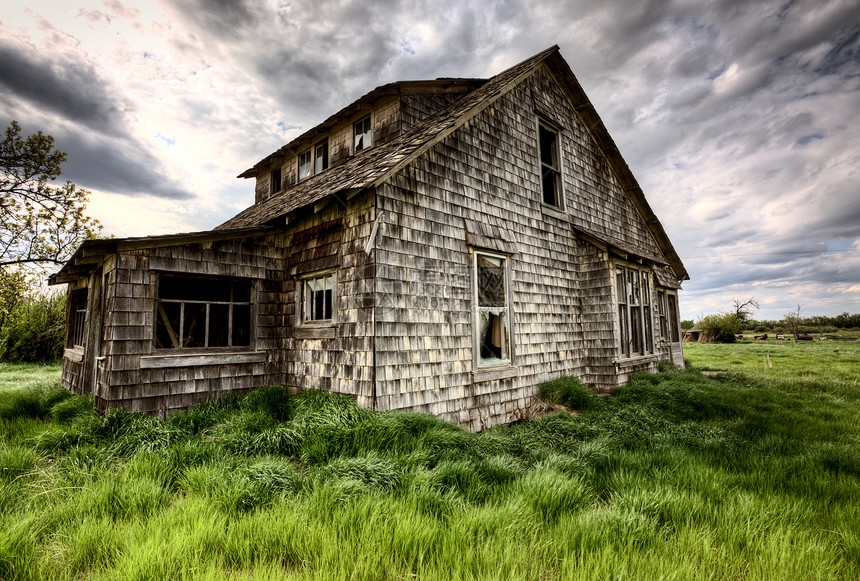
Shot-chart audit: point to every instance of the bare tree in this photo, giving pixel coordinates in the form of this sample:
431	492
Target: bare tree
743	309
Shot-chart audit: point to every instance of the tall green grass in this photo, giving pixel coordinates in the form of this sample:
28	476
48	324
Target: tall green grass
677	475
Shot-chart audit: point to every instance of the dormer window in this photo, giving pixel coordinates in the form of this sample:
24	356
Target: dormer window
362	134
550	167
321	157
306	167
313	161
276	180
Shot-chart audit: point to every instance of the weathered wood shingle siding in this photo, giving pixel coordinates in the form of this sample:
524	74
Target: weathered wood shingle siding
342	363
598	315
129	327
561	288
486	172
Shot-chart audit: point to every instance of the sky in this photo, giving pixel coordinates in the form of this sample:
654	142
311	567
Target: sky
739	118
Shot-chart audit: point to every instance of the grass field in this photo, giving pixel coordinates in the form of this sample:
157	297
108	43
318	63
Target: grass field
753	473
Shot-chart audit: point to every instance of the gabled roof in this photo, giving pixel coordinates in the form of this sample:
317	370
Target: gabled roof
375	165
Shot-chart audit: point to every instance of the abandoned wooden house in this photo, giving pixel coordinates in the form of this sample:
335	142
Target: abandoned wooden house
440	246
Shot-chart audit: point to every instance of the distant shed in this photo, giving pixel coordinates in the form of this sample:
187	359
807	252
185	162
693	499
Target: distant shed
693	335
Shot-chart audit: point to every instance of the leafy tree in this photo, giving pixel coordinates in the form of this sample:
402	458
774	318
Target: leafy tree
13	287
721	328
40	224
33	330
793	320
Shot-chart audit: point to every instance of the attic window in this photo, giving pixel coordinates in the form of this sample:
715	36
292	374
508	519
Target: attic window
306	167
321	157
197	312
363	134
549	165
276	180
313	161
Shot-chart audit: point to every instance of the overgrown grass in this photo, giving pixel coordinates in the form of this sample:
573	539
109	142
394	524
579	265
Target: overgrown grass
678	475
26	375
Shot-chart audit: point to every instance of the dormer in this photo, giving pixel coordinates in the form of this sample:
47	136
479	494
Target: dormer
374	119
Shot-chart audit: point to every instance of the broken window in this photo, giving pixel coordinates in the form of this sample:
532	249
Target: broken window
306	167
77	318
635	332
321	157
318	298
362	134
493	313
550	165
196	312
276	180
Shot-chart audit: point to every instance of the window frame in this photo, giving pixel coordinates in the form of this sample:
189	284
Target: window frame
369	131
309	160
662	318
302	303
674	315
508	326
76	335
276	177
634	316
555	169
316	149
206	348
305	159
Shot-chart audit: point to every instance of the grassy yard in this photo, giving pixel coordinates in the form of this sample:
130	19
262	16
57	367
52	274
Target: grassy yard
749	474
26	375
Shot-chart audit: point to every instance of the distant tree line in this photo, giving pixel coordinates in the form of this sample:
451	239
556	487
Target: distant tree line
812	324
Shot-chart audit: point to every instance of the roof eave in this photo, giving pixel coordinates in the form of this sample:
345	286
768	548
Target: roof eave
90	254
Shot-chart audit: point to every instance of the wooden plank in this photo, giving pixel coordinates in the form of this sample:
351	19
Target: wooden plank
191	360
494	373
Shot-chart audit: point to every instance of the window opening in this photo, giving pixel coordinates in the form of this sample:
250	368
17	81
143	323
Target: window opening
635	327
200	312
321	157
318	298
306	167
362	134
494	340
276	180
78	315
550	168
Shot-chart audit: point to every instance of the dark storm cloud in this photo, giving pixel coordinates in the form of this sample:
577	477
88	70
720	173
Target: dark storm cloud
223	16
114	165
93	128
67	87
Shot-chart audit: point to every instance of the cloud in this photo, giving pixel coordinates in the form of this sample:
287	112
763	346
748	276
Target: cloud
732	113
68	87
